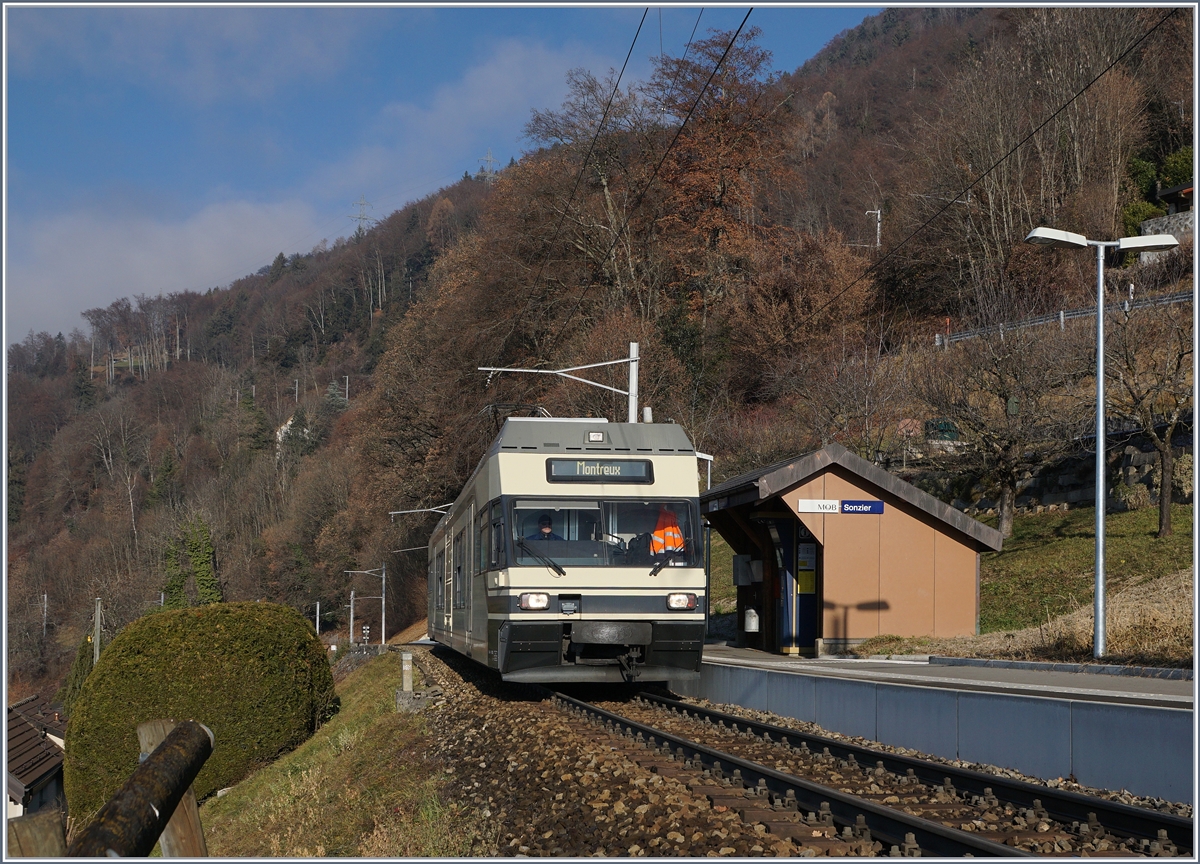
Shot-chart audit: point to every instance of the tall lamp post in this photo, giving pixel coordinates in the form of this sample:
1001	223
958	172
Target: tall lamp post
382	598
1068	240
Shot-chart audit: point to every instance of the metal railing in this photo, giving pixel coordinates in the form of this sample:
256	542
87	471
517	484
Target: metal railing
943	340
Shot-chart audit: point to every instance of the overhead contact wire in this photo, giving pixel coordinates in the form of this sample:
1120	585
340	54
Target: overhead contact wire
591	147
638	201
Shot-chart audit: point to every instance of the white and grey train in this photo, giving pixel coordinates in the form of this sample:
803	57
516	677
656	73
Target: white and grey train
573	554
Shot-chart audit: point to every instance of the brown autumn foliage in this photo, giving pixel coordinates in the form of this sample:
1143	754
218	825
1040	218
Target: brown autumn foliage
732	248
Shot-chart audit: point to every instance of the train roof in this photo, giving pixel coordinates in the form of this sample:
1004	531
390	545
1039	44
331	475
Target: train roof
569	435
587	435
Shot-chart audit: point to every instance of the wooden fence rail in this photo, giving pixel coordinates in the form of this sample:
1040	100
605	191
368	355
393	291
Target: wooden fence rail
155	805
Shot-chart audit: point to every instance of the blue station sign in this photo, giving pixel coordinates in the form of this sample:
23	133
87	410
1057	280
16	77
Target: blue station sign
862	506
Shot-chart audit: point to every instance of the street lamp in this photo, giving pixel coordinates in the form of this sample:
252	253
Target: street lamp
1069	240
382	598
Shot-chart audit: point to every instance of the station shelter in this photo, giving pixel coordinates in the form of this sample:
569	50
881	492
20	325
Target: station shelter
831	550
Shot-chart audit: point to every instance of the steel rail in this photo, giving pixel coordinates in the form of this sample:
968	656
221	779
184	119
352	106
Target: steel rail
888	825
1060	804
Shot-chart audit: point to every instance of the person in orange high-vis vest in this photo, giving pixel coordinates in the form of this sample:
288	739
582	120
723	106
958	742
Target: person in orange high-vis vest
666	536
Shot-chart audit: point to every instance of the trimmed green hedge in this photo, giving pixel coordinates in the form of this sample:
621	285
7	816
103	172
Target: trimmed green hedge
254	673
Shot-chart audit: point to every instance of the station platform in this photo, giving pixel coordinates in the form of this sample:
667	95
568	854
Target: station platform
1022	680
1110	731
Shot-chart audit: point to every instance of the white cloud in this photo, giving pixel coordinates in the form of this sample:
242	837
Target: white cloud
200	55
487	106
60	266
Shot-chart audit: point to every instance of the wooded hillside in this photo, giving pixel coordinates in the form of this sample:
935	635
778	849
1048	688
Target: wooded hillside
194	440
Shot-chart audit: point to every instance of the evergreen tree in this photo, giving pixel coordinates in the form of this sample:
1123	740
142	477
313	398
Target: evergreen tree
256	433
175	597
277	268
83	389
80	669
299	439
16	483
335	399
203	557
165	488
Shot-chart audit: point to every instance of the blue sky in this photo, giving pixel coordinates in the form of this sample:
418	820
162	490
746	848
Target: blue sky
160	148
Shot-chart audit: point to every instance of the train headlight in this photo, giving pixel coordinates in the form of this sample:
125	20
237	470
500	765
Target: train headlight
681	602
534	601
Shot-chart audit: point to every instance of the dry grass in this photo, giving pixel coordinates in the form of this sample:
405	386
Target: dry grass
411	633
360	787
1149	623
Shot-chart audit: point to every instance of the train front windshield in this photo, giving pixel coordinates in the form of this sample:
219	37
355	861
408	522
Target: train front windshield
613	533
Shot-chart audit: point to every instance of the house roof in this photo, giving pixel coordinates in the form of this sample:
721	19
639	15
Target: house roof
44	716
764	483
1177	193
33	759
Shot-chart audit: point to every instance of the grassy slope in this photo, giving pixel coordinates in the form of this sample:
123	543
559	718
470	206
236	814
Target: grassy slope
358	787
1046	567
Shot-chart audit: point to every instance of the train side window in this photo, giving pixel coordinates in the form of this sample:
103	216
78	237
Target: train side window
497	545
458	569
481	547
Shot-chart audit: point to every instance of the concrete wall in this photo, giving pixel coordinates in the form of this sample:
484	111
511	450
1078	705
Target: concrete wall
1148	751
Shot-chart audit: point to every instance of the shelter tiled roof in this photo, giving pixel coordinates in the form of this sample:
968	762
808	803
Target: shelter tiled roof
763	483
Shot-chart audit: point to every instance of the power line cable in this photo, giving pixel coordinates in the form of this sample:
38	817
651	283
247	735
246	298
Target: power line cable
892	251
638	201
683	57
591	147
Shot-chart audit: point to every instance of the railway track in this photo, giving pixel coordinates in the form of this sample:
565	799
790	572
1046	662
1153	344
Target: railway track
545	774
800	779
1170	832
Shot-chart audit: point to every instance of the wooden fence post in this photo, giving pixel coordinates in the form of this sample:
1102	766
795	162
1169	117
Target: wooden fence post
183	837
37	835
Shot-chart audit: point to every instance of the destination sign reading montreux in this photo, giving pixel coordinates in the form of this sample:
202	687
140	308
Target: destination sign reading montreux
600	470
829	505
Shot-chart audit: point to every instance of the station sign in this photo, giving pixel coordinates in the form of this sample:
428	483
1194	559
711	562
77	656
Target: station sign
818	505
830	505
862	506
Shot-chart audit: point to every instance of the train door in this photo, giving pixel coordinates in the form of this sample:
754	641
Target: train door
437	587
456	580
445	572
479	617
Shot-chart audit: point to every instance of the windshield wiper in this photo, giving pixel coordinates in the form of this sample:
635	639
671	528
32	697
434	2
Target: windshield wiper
545	559
667	556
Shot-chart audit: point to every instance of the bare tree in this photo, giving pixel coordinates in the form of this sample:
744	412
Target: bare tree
1148	360
1010	394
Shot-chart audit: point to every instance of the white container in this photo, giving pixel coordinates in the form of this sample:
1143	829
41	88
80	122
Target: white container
751	620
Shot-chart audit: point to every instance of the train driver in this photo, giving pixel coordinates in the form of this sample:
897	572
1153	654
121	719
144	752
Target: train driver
545	529
667	536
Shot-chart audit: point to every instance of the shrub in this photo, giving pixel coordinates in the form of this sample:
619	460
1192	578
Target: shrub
1135	213
254	673
1177	168
1134	497
1183	476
